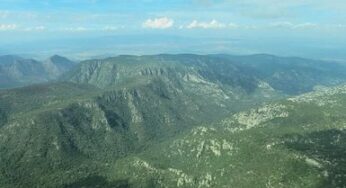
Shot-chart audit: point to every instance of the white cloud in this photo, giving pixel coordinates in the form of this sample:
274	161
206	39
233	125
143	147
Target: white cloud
75	29
158	23
36	28
305	26
340	26
289	25
282	24
214	24
7	27
106	28
233	25
111	28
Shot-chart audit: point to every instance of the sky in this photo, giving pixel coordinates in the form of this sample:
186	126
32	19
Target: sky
86	28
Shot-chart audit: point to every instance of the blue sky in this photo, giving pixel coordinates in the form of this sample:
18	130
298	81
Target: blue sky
310	28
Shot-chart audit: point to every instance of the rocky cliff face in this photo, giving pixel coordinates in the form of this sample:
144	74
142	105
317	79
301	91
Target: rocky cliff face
286	75
63	122
295	142
168	121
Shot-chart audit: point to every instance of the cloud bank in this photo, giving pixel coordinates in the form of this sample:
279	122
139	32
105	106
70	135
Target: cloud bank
7	27
214	24
158	23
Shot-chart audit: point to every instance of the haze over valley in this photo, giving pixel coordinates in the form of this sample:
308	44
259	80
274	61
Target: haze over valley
155	93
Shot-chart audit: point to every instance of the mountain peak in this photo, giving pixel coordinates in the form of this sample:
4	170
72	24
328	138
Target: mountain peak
58	58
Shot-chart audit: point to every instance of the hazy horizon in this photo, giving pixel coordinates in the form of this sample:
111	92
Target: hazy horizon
84	29
172	93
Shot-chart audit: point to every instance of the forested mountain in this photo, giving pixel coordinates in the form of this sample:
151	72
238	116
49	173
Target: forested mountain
16	71
174	121
297	142
290	75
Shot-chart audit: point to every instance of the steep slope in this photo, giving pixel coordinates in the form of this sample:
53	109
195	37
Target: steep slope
16	71
291	75
149	121
189	75
123	69
299	142
47	130
57	65
288	75
66	127
55	129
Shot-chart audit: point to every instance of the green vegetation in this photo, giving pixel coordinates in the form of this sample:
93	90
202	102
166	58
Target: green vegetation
300	144
177	121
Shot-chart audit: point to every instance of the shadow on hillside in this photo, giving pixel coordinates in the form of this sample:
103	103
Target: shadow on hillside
98	182
329	145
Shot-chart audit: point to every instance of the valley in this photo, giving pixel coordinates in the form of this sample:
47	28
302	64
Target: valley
172	121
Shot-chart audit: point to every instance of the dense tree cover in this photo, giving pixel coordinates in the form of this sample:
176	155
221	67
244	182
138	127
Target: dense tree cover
176	120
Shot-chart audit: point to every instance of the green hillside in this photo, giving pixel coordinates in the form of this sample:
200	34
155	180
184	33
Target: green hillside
175	121
299	142
285	74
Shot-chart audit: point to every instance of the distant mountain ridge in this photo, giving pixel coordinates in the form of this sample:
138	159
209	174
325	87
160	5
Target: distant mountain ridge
57	65
290	75
16	71
123	118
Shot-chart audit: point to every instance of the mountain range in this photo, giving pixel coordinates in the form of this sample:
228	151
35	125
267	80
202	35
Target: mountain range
172	121
16	71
